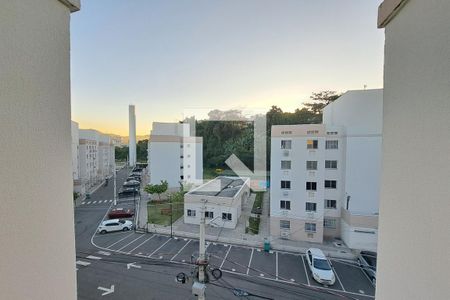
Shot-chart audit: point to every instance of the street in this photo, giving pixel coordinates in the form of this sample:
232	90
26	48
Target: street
130	265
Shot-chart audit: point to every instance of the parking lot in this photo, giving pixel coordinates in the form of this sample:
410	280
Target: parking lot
245	261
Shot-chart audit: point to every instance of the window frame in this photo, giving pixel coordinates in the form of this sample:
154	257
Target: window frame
331	164
284	143
289	162
314	204
287	204
330	181
332	144
330	207
286	184
313	145
311	183
311	225
285	222
308	162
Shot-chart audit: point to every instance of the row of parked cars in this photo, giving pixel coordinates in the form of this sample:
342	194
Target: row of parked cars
131	186
322	271
116	216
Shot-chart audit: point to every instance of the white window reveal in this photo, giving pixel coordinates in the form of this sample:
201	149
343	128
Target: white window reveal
310	227
226	216
191	213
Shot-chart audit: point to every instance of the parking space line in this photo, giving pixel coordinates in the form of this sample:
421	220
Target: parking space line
276	265
110	201
93	257
225	258
94	202
141	244
306	271
337	276
82	263
179	251
82	203
131	242
89	202
104	253
159	247
250	261
119	240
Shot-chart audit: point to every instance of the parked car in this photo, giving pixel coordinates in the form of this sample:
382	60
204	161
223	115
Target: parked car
367	260
131	182
128	192
117	213
134	178
115	225
320	267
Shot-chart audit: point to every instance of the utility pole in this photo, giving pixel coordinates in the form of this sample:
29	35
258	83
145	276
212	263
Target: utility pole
198	288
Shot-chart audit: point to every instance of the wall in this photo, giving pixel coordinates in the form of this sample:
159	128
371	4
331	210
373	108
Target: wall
38	252
164	162
414	231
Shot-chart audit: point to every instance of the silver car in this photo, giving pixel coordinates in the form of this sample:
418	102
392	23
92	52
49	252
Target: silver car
367	260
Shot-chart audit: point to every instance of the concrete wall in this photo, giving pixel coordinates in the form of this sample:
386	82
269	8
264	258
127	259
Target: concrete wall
414	232
165	162
37	251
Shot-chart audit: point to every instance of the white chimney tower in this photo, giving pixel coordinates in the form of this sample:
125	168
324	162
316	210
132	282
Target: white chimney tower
132	136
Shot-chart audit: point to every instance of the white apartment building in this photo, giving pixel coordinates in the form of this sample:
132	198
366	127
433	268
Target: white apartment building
222	199
95	158
77	183
174	155
325	177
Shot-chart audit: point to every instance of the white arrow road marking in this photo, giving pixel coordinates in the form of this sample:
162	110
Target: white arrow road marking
106	290
82	263
93	257
133	265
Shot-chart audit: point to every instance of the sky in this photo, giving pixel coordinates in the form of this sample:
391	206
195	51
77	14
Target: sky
169	57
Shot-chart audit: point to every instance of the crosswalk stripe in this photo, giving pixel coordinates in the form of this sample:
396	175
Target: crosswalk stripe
110	201
89	202
82	203
94	202
82	263
93	257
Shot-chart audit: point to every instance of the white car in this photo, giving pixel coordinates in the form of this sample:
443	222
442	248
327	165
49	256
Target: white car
320	267
115	225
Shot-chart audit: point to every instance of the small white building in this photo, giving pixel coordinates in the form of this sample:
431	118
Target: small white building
174	155
325	178
222	198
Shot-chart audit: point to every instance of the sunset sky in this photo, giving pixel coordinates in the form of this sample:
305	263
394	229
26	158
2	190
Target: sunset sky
170	56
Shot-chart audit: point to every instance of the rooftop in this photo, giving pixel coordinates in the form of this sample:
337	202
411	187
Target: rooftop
222	186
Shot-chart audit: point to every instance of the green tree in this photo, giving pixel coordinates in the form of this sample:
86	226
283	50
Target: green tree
157	188
320	100
141	151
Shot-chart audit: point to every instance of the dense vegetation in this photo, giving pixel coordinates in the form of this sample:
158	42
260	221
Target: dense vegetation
141	152
223	138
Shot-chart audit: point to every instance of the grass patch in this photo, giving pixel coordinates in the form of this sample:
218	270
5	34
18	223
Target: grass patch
253	225
257	205
160	213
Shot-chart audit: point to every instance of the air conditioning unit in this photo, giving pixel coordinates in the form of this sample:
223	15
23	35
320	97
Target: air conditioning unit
285	234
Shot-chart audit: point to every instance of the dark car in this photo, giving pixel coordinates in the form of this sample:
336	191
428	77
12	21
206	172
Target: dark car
134	178
131	184
128	192
117	213
367	260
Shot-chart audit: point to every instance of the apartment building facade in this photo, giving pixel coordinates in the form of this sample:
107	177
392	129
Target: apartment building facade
174	155
325	177
93	157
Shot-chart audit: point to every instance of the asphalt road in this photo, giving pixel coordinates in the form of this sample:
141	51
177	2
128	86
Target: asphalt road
128	265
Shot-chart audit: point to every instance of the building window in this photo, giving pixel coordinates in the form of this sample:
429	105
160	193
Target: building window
285	164
286	144
285	184
330	184
333	144
285	204
284	224
226	216
310	227
311	206
312	132
329	223
312	144
311	186
209	214
331	164
181	177
330	204
191	213
311	165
